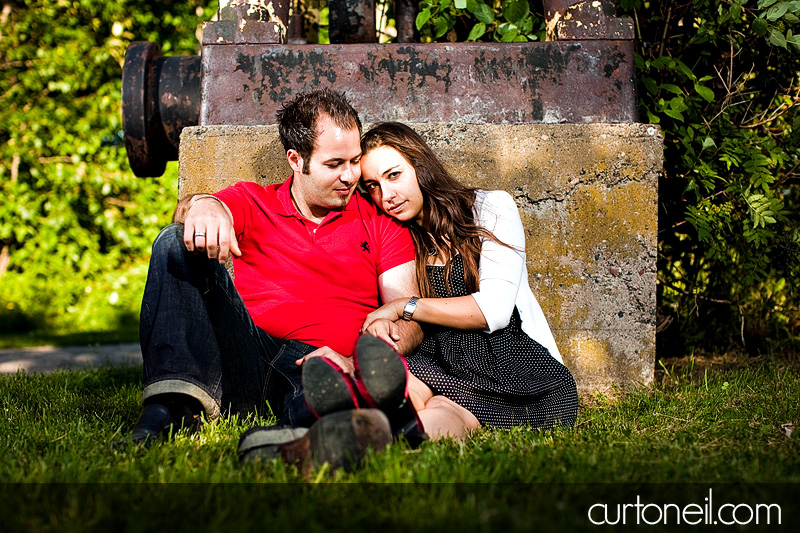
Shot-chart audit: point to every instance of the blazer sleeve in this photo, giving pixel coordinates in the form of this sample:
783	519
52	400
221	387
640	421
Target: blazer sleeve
501	267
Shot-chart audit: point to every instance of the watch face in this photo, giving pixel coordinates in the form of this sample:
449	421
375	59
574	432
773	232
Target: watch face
408	310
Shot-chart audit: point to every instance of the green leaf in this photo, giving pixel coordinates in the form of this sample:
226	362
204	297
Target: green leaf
704	92
461	4
776	12
760	26
484	14
674	114
708	144
776	38
791	18
423	17
765	3
678	104
526	25
510	35
441	26
515	10
686	71
672	88
477	32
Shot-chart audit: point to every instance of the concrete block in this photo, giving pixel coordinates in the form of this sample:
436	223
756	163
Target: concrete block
587	194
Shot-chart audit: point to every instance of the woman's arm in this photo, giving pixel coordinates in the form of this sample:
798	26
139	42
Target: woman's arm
501	269
461	312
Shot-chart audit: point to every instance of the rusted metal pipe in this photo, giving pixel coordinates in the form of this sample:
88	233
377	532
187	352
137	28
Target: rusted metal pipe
467	83
585	74
406	20
352	21
265	11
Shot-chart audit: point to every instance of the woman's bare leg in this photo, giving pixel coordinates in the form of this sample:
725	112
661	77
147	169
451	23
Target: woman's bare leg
441	417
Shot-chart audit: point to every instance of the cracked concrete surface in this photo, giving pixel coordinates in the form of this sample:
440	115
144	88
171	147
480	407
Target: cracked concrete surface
587	195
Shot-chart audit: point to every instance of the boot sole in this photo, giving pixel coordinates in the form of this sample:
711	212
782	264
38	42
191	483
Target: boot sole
265	442
382	375
327	389
342	439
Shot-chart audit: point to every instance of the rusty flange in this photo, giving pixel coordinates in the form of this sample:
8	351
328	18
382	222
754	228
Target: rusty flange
160	96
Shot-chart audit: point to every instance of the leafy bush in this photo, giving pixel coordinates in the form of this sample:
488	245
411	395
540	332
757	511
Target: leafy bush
721	78
473	20
75	224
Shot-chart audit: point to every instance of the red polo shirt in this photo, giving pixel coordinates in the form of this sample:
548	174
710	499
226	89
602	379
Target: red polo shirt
308	282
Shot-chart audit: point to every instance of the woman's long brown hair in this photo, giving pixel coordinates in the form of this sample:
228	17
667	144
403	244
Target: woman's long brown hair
447	204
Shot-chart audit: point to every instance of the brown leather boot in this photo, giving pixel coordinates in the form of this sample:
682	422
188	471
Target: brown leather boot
339	439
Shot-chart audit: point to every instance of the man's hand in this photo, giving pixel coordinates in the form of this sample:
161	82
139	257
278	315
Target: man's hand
383	328
345	363
208	227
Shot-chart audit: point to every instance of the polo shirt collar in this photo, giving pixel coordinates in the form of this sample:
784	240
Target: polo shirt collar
285	206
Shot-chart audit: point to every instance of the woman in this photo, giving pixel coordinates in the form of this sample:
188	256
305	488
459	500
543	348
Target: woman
488	356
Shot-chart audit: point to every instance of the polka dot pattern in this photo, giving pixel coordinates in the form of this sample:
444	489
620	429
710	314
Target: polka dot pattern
504	378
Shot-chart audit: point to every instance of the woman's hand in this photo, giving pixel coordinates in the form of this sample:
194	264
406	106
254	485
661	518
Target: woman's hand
390	311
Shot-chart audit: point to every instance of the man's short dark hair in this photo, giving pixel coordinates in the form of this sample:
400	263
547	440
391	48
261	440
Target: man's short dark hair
297	119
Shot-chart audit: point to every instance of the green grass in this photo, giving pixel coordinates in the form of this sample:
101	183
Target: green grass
716	427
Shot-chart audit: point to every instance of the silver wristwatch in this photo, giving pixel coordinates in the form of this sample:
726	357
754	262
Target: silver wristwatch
411	306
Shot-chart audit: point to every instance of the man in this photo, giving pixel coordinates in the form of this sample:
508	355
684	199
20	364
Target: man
311	258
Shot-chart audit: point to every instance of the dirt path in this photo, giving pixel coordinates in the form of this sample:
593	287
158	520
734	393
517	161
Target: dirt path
50	358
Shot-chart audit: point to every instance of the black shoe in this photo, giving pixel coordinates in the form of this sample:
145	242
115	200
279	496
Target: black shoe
382	381
159	420
154	422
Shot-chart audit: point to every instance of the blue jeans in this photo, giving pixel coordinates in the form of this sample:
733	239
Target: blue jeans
198	338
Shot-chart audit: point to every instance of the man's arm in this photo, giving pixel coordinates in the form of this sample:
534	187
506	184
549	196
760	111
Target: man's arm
400	282
208	226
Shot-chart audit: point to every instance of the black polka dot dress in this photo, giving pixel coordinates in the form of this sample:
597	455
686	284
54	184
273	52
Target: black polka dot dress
504	378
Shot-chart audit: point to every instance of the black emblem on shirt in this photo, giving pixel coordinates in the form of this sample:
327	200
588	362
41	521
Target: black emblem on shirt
365	246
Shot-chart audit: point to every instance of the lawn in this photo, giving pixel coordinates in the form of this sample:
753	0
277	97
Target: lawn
698	428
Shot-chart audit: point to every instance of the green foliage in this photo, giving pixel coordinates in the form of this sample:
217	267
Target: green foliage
721	78
75	224
476	20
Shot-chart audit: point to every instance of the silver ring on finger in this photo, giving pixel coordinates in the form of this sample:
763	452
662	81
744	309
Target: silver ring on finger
200	234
